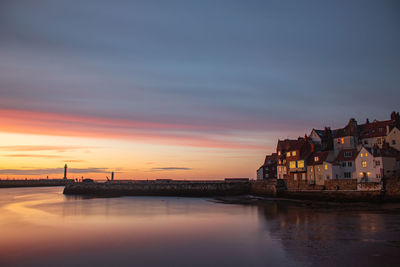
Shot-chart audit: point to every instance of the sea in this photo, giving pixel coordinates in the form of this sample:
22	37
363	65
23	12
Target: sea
42	227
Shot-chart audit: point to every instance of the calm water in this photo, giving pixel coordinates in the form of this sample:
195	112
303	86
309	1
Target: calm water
42	227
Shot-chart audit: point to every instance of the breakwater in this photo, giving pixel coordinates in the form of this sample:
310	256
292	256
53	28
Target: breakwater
33	183
161	188
232	187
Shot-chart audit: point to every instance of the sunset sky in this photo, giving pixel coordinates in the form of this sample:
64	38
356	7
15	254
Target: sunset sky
185	89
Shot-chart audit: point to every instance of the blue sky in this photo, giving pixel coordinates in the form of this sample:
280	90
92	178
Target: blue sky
250	70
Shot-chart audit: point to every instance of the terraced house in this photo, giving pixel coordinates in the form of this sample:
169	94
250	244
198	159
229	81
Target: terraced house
366	152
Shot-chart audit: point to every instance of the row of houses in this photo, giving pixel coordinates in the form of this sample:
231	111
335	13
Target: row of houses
366	152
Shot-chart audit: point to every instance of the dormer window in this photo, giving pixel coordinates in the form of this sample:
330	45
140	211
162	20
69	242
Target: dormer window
348	154
316	159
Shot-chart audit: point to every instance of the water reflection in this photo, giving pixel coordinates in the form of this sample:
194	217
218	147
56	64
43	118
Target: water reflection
41	227
332	237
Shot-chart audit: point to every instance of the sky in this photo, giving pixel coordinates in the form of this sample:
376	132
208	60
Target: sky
185	89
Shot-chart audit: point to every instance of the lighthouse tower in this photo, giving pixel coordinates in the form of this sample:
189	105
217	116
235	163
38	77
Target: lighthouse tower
65	171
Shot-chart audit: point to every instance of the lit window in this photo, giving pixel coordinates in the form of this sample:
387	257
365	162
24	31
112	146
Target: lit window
361	154
316	158
292	164
326	166
300	164
366	154
288	154
294	153
279	153
342	140
364	164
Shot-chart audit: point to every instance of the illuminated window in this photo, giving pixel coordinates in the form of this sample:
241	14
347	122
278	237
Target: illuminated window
316	158
366	154
292	164
342	140
326	166
300	164
279	153
294	153
288	154
364	164
361	155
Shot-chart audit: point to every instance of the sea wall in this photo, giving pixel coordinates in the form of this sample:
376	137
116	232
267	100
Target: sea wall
336	195
159	188
392	189
341	184
302	185
33	183
268	188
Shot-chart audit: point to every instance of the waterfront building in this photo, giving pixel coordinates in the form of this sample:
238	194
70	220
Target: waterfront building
346	162
321	167
372	164
269	169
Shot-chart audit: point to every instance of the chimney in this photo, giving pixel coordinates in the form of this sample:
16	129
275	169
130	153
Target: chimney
112	176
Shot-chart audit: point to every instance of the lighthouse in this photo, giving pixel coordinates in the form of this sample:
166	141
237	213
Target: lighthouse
65	171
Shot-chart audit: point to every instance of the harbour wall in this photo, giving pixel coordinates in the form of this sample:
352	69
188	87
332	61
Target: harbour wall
33	183
160	188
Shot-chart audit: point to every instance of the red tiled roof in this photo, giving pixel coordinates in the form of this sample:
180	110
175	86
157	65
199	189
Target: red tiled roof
341	156
388	152
322	156
273	158
375	129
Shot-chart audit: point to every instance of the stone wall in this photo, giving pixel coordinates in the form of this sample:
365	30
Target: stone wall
369	186
336	195
33	183
269	187
341	184
392	188
302	185
159	188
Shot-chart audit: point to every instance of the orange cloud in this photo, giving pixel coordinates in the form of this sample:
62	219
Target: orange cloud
46	123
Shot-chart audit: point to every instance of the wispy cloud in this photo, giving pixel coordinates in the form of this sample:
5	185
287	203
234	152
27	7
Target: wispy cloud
40	148
33	156
172	169
51	171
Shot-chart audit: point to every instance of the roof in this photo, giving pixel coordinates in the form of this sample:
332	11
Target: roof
322	156
273	157
351	129
387	152
375	128
346	155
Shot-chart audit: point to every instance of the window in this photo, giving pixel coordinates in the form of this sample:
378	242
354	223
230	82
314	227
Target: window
342	140
327	177
316	159
292	164
288	154
365	142
303	176
379	141
343	164
279	168
300	164
366	154
347	175
378	163
361	154
364	164
294	153
279	153
295	176
326	166
338	140
318	168
349	164
393	142
280	161
348	154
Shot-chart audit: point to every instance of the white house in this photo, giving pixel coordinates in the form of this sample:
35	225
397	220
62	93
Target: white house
320	167
393	138
346	161
372	164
